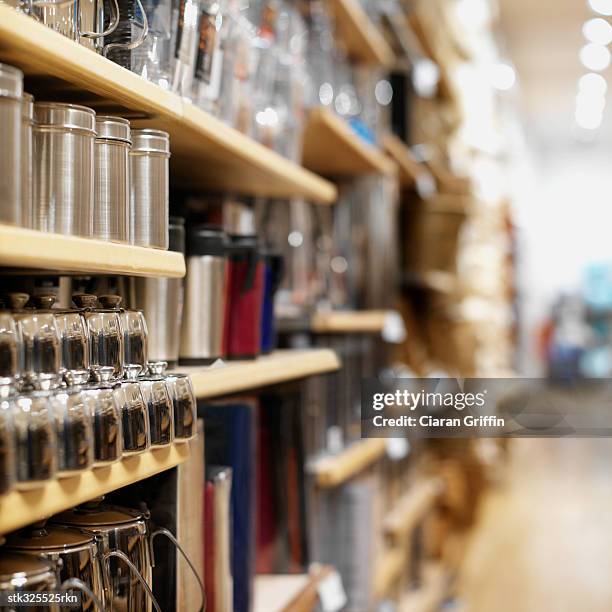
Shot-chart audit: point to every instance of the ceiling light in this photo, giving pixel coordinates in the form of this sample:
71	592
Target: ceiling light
593	83
383	92
597	31
595	57
603	7
502	76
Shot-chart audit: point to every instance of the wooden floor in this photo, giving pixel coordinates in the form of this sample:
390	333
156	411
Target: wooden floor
544	539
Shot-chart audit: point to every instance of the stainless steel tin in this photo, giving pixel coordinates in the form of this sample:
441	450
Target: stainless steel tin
135	336
108	439
112	179
64	137
149	160
185	404
134	417
7	447
26	573
11	88
204	314
27	162
161	410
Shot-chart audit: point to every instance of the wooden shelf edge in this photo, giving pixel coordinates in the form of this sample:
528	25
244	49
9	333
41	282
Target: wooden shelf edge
20	508
346	153
44	52
411	508
333	471
364	41
279	367
25	248
303	598
364	321
388	571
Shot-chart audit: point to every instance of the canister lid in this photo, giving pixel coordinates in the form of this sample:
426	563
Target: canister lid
113	128
68	116
48	538
97	516
11	81
150	141
243	244
206	239
27	106
27	565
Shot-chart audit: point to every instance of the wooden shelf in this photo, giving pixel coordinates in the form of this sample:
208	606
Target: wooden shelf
411	508
24	248
334	470
331	148
388	570
206	153
289	593
410	171
341	322
280	366
21	508
430	595
364	42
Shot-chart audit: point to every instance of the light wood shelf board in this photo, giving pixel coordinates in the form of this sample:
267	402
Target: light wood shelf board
338	322
24	248
411	508
20	508
335	470
206	152
331	148
389	568
363	40
279	367
289	593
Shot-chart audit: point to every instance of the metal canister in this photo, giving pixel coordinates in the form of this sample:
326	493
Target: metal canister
64	137
206	286
149	160
11	88
20	573
161	300
27	177
112	179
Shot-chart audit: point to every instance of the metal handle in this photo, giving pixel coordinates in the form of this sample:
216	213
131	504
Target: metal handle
132	568
134	43
75	583
170	536
112	26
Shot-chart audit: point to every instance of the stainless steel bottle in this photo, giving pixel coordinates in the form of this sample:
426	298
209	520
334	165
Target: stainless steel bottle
64	137
27	177
11	88
112	179
161	300
202	330
150	188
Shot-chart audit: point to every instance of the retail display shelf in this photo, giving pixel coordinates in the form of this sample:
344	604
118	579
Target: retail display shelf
331	148
430	595
364	41
356	321
334	470
388	570
410	171
206	153
289	593
228	378
20	508
24	248
411	508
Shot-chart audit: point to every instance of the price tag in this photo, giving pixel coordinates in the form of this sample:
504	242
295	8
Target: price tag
331	593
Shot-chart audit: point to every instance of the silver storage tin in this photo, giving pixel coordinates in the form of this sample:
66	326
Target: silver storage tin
64	137
150	188
27	176
11	88
112	179
161	300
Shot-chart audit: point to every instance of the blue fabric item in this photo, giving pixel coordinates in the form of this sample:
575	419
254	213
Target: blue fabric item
230	441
